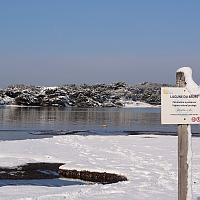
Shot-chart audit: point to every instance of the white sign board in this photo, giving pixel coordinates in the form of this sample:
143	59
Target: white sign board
178	106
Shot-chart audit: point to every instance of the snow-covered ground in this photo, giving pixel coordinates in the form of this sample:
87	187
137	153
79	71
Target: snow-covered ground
150	164
137	104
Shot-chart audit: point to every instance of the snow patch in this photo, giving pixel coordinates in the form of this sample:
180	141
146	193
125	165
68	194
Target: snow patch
136	104
191	86
44	89
87	168
6	100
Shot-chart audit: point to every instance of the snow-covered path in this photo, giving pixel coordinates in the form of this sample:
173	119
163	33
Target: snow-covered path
150	164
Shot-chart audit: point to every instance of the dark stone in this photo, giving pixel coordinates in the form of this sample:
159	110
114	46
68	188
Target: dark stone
12	94
97	177
28	100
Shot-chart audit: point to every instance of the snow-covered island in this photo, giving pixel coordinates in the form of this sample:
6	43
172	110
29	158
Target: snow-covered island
112	95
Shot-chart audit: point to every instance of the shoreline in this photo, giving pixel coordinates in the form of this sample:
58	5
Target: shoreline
134	104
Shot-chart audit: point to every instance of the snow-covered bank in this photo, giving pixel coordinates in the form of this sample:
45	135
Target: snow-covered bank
124	103
150	164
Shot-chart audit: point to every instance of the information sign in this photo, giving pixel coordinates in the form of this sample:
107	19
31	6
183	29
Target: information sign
178	106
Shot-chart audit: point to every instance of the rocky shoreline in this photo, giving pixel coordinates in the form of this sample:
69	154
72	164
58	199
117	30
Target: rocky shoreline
100	95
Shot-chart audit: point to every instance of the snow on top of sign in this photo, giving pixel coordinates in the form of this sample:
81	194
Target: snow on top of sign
191	86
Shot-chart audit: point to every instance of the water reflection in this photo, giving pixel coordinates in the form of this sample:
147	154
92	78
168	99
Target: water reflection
24	116
98	119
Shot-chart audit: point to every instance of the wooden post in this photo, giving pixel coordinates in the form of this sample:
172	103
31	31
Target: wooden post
184	153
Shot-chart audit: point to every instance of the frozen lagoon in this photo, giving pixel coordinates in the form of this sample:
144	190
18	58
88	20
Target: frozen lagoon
149	162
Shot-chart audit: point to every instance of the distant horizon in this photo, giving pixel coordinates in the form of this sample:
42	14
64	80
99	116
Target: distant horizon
55	42
90	84
52	83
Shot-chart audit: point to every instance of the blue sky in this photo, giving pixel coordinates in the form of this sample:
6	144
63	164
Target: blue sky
49	42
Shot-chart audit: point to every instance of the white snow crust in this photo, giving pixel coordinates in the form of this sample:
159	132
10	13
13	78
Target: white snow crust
191	86
150	164
6	100
137	104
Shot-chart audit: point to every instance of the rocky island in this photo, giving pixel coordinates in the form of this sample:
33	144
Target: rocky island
100	95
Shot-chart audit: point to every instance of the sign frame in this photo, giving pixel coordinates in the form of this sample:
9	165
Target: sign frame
178	106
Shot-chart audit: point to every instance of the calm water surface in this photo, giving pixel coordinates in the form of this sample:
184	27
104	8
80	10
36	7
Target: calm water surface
17	122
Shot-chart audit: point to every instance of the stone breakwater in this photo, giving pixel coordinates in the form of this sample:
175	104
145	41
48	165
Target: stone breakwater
51	170
96	177
100	95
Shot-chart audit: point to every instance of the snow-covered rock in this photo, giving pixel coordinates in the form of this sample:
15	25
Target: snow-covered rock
6	100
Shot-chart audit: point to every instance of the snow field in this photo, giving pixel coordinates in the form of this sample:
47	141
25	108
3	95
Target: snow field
149	163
